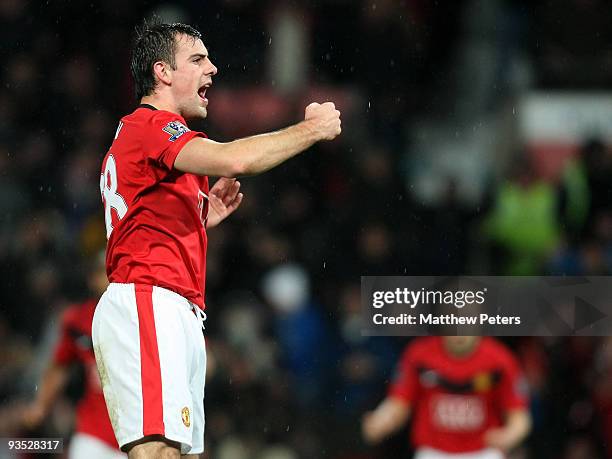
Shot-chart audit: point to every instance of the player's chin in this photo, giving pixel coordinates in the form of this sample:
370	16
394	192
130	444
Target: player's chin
196	112
202	108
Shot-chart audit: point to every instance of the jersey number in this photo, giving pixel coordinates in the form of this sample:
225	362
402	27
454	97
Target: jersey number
110	197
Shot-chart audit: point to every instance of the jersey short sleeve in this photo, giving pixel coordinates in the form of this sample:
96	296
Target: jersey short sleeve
405	381
166	134
514	390
65	351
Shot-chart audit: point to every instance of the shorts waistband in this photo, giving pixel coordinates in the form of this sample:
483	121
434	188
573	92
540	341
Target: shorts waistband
194	308
161	290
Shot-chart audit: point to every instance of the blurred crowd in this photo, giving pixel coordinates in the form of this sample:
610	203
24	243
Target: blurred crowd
290	372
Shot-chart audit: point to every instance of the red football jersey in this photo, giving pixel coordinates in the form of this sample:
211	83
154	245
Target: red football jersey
456	400
155	215
75	346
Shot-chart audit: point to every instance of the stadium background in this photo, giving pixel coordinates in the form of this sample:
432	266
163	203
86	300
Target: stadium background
475	142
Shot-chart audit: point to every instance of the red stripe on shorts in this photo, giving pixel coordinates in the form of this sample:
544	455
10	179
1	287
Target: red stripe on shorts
150	370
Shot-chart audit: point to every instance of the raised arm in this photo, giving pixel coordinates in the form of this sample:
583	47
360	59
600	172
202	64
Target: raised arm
257	154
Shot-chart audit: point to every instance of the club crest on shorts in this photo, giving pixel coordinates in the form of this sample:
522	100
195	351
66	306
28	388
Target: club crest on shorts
185	417
175	129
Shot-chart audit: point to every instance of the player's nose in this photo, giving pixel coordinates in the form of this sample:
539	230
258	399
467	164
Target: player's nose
212	70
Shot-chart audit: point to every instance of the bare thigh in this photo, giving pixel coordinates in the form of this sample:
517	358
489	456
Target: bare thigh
154	447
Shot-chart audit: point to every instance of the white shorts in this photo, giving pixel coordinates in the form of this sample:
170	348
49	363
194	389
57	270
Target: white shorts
430	453
83	445
151	358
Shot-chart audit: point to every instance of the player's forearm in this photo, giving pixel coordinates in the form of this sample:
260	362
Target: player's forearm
518	426
385	420
260	153
395	414
51	385
257	154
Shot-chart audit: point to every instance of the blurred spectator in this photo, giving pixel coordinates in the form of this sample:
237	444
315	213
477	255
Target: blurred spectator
523	225
301	331
364	361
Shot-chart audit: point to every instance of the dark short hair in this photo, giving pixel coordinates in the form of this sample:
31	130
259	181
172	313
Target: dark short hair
155	41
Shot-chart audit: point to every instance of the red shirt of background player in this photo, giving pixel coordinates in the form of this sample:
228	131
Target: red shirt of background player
75	346
455	400
156	228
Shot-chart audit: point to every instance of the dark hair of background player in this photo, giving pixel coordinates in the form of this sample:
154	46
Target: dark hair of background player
155	41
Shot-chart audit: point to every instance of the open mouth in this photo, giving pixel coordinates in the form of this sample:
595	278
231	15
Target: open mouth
202	92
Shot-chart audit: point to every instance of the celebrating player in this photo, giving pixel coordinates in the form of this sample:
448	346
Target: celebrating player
147	328
465	394
93	437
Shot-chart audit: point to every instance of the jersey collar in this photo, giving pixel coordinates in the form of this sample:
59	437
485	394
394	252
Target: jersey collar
148	106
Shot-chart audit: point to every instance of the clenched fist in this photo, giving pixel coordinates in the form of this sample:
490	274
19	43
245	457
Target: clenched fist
324	119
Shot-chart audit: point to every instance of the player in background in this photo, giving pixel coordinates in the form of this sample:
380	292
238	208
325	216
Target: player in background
147	329
465	394
93	437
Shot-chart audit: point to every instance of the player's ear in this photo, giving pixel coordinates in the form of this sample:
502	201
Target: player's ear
162	72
